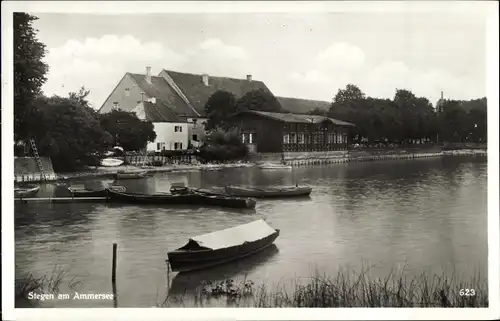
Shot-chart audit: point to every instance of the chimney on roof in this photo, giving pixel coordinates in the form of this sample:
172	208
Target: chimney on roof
441	94
249	77
148	74
152	100
204	78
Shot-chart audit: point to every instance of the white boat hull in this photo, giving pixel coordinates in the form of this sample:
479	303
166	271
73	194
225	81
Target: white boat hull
111	162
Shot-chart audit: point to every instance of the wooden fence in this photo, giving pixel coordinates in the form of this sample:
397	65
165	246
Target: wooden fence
158	160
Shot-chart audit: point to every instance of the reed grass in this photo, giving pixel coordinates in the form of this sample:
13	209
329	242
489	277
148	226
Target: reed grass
342	290
47	284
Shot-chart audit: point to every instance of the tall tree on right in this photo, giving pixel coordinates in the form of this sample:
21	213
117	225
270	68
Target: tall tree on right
29	75
350	93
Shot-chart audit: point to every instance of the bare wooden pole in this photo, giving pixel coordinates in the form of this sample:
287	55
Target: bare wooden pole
113	276
113	272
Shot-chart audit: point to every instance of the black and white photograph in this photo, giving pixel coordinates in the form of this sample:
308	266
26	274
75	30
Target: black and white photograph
245	155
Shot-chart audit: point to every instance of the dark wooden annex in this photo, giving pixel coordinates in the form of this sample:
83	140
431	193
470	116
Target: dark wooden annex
269	132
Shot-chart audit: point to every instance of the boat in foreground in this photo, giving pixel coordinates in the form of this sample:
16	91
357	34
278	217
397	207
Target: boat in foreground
263	192
26	191
131	174
223	246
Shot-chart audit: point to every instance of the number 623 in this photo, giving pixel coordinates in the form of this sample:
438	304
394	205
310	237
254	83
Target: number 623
467	292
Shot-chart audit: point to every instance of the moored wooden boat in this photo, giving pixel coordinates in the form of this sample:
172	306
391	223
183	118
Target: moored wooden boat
26	191
131	174
83	192
222	246
190	282
263	192
227	201
162	198
111	162
274	166
179	188
190	198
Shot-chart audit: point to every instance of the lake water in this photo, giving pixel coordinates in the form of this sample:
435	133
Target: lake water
425	215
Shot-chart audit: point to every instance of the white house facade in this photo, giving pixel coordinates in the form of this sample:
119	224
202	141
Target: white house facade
169	136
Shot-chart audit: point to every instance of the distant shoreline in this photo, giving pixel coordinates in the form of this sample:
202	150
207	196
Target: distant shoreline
376	155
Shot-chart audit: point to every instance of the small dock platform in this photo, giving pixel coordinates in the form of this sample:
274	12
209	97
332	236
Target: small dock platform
60	199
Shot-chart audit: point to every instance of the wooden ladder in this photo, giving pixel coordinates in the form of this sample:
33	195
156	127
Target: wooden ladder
37	158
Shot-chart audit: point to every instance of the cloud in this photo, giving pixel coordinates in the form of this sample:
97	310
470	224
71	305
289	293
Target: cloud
341	57
342	63
99	63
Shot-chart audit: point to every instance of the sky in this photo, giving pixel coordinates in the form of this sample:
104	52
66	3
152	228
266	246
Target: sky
303	55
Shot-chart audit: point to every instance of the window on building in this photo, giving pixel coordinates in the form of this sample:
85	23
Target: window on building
293	138
300	138
127	92
286	138
344	138
247	138
116	105
177	145
178	129
316	137
160	146
195	137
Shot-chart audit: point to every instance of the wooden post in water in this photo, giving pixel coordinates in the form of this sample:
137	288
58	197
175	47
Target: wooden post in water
113	271
113	276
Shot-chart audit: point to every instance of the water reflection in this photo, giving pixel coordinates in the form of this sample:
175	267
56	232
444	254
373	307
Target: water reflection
425	214
188	282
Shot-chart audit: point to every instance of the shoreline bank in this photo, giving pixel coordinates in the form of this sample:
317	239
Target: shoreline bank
348	288
110	172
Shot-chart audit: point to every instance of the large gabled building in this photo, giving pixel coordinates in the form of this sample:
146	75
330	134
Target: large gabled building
174	102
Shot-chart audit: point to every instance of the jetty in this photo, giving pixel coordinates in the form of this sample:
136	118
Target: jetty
60	199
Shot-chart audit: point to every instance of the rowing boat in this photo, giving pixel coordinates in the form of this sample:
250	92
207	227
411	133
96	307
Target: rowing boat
189	282
131	175
223	246
159	198
226	200
263	192
111	162
190	198
26	191
274	166
83	192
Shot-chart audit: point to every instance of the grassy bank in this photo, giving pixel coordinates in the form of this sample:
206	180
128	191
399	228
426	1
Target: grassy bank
355	289
28	285
343	290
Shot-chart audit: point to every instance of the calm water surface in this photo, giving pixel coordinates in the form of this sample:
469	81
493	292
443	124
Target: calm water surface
424	215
